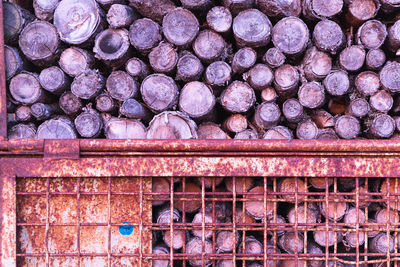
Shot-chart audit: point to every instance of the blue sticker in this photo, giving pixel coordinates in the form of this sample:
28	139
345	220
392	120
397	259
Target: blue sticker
125	229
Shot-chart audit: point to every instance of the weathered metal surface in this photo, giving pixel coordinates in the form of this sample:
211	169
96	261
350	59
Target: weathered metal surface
7	219
67	220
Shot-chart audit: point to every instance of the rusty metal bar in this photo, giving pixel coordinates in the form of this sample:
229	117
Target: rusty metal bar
3	99
8	220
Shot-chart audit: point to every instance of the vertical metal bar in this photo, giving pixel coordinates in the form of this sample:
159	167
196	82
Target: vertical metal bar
141	222
203	222
357	221
234	220
366	219
305	213
265	221
296	230
79	220
8	220
171	227
47	220
109	222
275	215
213	216
183	217
3	99
327	222
387	223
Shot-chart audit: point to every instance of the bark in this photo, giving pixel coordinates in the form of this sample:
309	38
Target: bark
381	126
278	132
159	92
352	58
105	103
75	61
39	42
15	19
78	21
326	238
180	27
194	247
381	101
312	95
112	47
70	104
44	9
210	130
242	184
290	243
269	95
196	100
389	6
372	34
163	58
57	128
238	97
358	108
137	68
361	10
172	125
328	36
274	58
259	77
293	110
291	36
23	114
161	185
320	9
337	83
219	19
337	106
121	16
226	241
153	9
327	134
307	130
288	186
244	59
258	21
22	131
209	46
197	5
88	84
235	123
54	80
144	34
106	4
347	127
218	74
278	8
323	119
316	64
115	128
247	134
121	86
192	205
89	123
14	63
375	59
25	89
367	83
44	111
267	115
235	6
133	109
382	243
335	210
286	81
389	76
393	41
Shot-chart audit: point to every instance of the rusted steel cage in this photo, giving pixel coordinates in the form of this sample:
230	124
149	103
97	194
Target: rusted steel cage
91	202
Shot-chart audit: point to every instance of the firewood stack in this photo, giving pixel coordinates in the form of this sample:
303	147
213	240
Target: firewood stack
209	69
252	217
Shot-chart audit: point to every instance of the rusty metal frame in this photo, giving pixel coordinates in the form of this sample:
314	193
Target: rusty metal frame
166	158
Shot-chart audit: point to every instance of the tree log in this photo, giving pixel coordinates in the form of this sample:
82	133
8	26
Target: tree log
286	81
316	64
372	34
44	111
235	6
39	42
163	58
209	46
210	130
105	103
195	247
57	128
15	19
312	95
22	131
219	19
121	16
189	68
244	59
307	130
280	8
268	95
274	58
144	34
75	61
278	132
172	125
246	134
218	74
44	9
259	77
159	92
381	101
347	127
358	108
337	83
352	58
290	243
367	83
235	123
137	68
153	9
23	113
389	76
375	59
25	88
328	36
361	10
238	97
320	9
293	110
14	64
132	109
196	100
180	27
261	26
70	104
54	80
88	84
89	123
115	128
382	126
121	86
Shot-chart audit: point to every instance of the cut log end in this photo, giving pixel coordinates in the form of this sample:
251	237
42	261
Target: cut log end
121	86
75	61
144	34
238	97
219	19
196	99
347	127
163	58
180	27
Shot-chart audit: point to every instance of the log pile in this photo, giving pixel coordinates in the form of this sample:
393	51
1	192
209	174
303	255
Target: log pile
277	216
223	69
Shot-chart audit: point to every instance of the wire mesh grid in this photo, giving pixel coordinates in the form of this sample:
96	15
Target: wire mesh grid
220	221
